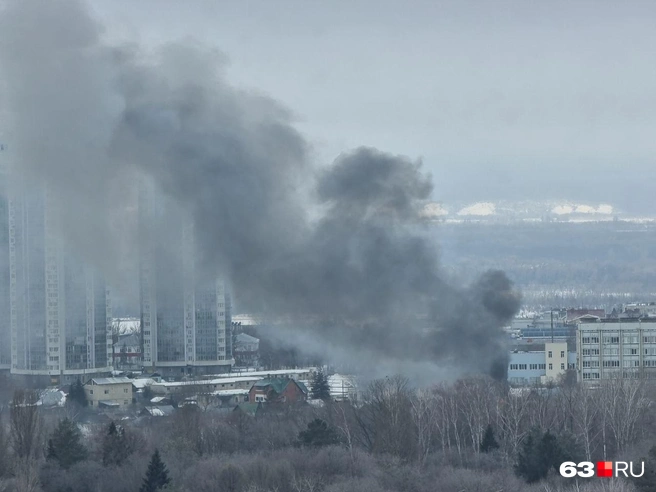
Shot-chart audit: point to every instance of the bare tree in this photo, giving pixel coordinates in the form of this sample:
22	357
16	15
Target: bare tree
586	411
27	476
624	403
477	401
25	424
423	416
513	418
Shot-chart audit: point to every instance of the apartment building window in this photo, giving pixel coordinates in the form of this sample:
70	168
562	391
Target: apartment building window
590	351
590	339
522	367
542	366
550	354
611	363
611	339
562	366
534	366
125	390
590	363
630	351
562	354
106	392
550	367
514	367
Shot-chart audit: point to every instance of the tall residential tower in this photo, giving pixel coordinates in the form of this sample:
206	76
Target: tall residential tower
60	312
5	320
185	312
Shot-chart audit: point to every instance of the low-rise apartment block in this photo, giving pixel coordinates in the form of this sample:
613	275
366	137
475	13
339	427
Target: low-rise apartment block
616	348
109	392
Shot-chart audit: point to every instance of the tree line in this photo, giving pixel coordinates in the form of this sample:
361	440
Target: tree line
471	434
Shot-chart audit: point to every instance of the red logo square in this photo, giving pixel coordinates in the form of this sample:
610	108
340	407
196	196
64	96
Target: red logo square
605	469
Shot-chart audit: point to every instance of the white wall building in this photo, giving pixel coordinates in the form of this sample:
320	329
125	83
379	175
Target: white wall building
530	368
613	348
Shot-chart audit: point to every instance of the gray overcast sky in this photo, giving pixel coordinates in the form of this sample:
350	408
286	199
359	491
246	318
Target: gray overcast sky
501	99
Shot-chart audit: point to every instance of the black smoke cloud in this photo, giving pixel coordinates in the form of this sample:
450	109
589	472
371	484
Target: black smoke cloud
339	247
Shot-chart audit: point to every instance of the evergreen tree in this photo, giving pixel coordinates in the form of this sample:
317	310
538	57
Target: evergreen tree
530	464
76	394
318	433
65	445
115	446
541	452
489	443
157	475
320	387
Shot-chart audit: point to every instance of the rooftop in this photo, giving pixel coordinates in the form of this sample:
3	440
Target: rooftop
244	338
101	381
279	384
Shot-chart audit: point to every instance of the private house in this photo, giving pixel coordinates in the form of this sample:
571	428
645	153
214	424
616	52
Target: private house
246	350
278	390
250	409
109	392
127	351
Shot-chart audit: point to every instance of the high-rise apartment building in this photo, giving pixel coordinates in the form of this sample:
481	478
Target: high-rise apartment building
5	320
185	312
60	311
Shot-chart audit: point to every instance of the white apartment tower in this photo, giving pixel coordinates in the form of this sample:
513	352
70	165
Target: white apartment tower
185	315
5	320
60	312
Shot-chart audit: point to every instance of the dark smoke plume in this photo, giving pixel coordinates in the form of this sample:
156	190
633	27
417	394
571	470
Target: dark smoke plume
340	248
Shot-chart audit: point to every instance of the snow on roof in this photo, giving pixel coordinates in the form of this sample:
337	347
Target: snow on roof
126	325
101	381
208	382
141	383
52	397
277	372
162	411
157	399
230	392
245	338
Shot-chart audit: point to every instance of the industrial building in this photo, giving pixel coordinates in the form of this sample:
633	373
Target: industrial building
616	348
538	367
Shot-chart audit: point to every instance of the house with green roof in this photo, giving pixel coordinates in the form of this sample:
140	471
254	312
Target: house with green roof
278	390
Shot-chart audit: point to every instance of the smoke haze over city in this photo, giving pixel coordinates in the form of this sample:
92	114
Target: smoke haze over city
340	246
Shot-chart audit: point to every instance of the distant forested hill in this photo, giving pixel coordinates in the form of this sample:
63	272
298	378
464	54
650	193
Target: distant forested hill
561	260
